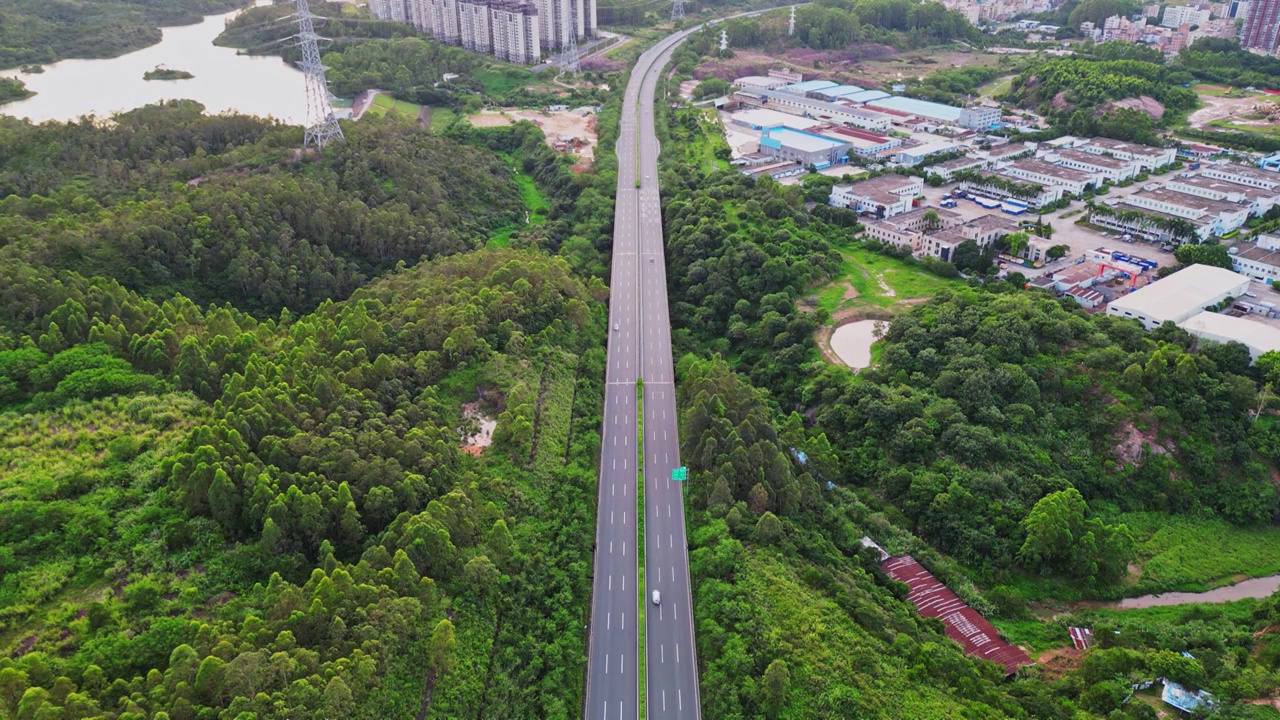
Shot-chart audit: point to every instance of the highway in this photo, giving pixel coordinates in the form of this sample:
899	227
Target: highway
640	348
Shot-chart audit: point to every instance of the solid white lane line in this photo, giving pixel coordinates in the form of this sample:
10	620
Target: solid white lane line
668	510
662	658
673	573
624	517
610	517
624	667
664	701
624	548
611	582
610	547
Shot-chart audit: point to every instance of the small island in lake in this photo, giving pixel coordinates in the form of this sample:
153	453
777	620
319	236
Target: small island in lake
163	73
32	69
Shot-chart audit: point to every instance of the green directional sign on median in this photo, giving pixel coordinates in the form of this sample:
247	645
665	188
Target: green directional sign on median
680	474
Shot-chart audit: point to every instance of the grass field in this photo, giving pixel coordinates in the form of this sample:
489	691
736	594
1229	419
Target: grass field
1194	554
1273	130
440	118
383	104
534	202
870	280
999	86
701	151
501	82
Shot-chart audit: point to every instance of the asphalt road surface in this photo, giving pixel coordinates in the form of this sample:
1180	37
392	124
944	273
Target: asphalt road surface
640	348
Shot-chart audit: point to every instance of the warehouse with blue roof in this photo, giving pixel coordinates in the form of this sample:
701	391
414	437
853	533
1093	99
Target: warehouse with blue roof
805	148
808	86
835	93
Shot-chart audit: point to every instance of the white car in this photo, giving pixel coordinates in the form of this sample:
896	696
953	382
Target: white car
615	327
657	598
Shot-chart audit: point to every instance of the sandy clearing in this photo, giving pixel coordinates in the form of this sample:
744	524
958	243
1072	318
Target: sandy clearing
572	131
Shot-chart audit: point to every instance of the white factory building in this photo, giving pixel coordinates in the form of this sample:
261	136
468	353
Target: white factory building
1147	157
838	113
1179	296
1102	167
884	196
1259	260
1048	175
1258	337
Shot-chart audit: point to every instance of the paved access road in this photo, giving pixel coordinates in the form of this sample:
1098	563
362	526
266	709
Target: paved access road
640	348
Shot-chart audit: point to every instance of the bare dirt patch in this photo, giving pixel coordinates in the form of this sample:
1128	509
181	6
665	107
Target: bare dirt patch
569	131
1059	661
477	429
1227	108
1130	441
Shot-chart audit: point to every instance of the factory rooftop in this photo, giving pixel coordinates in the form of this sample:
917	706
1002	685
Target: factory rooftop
1092	159
920	108
1041	167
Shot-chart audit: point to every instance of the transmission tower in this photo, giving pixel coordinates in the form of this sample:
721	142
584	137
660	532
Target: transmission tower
724	41
322	127
570	58
791	24
677	11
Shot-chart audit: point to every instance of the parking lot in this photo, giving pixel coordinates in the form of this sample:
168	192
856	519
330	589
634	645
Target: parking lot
1079	238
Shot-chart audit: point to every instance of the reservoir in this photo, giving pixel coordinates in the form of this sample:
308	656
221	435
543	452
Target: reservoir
852	342
224	81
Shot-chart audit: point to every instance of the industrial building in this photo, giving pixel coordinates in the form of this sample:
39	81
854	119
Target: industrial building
861	142
833	94
760	82
1102	167
1043	173
1258	337
914	155
988	188
1257	200
979	117
762	119
1147	157
804	88
948	168
1243	175
1179	296
909	229
982	230
884	196
840	113
1218	217
1259	260
805	148
946	114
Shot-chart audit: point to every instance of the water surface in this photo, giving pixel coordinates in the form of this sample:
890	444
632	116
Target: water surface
223	80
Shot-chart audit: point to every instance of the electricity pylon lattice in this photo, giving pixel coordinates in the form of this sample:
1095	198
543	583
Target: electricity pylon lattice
322	127
677	11
724	41
572	62
791	24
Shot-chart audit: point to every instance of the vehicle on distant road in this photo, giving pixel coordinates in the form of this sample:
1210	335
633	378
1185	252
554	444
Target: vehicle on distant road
657	598
615	327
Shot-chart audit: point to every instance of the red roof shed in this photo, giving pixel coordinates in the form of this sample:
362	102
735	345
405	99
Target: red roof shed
964	625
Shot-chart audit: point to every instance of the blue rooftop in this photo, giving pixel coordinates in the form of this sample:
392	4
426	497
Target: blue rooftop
923	108
803	141
801	88
1182	698
865	96
840	90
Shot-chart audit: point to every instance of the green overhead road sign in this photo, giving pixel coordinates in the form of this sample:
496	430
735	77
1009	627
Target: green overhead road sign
680	474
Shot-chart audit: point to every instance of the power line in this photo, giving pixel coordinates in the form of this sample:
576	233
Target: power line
322	126
677	11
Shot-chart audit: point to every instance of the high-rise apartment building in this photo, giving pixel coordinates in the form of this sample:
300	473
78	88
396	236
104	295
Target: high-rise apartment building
1262	26
514	30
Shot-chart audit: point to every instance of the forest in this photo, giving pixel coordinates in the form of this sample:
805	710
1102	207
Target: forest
837	24
254	502
40	31
226	213
12	89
